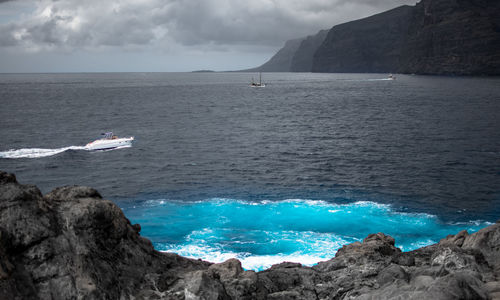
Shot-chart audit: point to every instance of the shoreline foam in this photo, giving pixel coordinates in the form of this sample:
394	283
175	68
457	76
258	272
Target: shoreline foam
71	243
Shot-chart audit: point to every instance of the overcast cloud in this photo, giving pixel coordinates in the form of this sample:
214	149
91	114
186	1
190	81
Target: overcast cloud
168	28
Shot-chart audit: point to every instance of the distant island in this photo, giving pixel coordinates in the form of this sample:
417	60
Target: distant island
203	71
438	37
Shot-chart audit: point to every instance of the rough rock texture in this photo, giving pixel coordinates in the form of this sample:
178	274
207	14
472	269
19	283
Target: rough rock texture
454	37
72	244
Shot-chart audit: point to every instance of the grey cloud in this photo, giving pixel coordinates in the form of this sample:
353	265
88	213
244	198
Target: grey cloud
199	22
74	23
126	30
6	36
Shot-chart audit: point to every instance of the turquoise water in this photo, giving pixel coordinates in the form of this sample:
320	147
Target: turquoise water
264	233
420	152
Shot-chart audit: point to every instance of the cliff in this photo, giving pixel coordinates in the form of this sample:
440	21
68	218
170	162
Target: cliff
282	60
453	37
370	45
72	244
302	60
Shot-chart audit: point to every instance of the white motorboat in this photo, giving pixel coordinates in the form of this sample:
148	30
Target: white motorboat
391	77
109	141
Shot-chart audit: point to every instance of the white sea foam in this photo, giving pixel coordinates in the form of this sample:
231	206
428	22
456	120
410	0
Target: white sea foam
262	262
36	152
249	261
41	152
471	223
368	79
294	230
315	247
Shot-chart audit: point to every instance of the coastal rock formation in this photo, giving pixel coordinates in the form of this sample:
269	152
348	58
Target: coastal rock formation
453	37
433	37
282	60
371	45
302	60
72	244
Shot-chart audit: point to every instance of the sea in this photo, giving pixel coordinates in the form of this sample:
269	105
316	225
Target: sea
288	172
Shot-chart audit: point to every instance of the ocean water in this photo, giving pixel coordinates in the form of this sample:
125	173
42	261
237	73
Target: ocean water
263	233
292	171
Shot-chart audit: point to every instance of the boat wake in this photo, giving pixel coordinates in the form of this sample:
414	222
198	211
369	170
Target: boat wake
36	152
368	79
41	152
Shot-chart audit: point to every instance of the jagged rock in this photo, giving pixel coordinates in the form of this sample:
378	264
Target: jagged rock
487	242
239	284
392	273
72	244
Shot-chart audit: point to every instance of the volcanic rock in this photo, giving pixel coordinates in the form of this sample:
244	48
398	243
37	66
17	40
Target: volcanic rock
72	244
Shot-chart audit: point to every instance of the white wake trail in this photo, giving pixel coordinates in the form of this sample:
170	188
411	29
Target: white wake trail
37	152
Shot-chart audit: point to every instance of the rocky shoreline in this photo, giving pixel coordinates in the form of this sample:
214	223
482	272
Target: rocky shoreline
72	244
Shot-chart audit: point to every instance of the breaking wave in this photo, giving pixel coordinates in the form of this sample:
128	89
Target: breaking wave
264	233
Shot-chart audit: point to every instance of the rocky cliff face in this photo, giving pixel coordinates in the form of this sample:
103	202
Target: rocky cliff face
72	244
434	37
302	60
453	37
370	45
282	60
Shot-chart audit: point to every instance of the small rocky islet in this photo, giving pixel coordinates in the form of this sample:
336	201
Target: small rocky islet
72	244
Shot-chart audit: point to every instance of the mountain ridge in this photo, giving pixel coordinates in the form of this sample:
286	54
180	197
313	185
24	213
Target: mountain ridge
438	37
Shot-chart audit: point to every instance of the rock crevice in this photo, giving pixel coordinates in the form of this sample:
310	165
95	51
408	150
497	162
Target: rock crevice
72	244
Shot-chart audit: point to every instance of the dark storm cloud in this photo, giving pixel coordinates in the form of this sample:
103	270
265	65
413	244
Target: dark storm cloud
72	23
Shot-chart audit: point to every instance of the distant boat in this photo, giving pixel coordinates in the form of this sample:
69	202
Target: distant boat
258	84
109	141
391	77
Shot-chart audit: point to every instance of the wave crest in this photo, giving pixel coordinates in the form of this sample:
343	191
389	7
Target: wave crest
263	233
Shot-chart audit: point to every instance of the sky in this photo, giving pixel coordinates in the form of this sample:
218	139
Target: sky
162	35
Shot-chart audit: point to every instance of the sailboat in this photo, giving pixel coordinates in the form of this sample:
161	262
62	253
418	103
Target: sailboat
258	84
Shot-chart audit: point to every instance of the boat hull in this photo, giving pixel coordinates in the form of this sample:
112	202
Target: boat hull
258	85
106	144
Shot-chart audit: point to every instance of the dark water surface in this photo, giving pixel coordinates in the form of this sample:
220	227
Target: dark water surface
421	144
